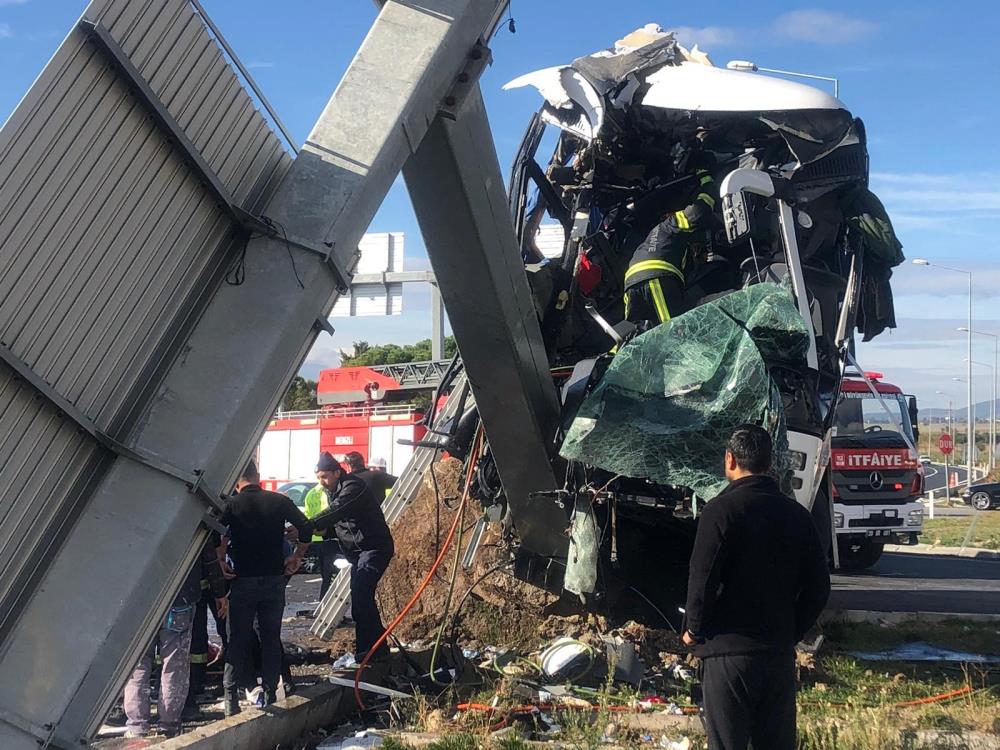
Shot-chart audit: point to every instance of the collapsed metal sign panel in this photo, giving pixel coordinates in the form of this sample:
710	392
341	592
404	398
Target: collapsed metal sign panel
136	177
123	174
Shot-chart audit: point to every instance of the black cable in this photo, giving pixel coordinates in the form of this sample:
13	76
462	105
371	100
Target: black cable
237	272
288	247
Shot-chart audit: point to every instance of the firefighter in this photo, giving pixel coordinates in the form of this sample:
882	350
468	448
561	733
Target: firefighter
655	279
354	517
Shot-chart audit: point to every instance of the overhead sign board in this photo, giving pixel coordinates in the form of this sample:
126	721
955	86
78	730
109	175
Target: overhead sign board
381	252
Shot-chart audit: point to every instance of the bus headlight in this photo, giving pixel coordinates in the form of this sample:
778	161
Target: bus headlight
798	459
838	520
915	517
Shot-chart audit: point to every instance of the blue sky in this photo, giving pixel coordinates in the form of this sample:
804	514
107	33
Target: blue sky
924	78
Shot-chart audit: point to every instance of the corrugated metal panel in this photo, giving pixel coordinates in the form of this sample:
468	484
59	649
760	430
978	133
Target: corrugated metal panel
107	265
31	492
107	235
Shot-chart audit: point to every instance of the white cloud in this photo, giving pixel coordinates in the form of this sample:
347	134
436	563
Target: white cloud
822	27
706	37
922	194
12	2
5	32
807	25
258	64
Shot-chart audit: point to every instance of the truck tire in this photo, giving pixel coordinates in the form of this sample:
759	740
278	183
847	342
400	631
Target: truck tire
859	554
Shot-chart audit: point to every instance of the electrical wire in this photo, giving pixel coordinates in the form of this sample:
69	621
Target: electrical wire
451	591
237	271
288	247
421	588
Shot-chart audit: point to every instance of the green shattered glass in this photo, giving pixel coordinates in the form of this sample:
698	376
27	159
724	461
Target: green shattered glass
672	396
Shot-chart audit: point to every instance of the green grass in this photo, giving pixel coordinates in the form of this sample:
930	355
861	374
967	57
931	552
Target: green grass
952	532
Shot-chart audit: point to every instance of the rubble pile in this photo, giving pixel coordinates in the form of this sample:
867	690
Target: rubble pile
418	535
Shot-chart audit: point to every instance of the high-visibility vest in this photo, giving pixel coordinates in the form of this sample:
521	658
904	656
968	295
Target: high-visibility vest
316	502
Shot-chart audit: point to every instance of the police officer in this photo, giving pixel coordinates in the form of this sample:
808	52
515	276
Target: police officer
354	517
655	279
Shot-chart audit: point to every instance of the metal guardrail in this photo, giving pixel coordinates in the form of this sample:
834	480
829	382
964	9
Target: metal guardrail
350	411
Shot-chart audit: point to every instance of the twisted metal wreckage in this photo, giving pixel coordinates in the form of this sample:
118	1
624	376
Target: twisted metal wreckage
168	233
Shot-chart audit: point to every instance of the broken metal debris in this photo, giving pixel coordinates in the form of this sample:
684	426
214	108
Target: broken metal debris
920	651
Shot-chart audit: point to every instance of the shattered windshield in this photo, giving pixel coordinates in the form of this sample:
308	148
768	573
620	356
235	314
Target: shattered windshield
672	396
861	415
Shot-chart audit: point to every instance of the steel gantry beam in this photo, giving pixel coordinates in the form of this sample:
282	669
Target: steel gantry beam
458	193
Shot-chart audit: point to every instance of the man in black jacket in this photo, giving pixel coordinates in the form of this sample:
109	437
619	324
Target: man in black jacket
355	518
758	581
256	545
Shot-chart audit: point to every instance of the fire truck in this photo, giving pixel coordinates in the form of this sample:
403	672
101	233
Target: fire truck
362	409
876	472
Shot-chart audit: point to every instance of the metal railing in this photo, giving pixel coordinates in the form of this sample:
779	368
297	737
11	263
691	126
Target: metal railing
351	411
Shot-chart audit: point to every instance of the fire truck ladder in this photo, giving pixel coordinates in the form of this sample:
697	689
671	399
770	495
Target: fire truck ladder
331	610
415	375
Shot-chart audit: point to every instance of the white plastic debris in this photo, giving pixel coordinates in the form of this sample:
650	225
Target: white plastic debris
682	744
563	653
361	741
347	661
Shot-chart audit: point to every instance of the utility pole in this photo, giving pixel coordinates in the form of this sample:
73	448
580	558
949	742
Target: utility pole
970	417
991	457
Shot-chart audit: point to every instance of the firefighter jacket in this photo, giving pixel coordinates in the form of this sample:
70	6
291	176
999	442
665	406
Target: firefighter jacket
666	250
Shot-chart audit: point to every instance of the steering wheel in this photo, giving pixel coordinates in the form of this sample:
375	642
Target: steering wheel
873	428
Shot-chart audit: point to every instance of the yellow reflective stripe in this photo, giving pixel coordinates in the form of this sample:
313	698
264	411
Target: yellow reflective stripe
204	583
199	658
659	300
705	178
682	220
706	198
628	305
654	265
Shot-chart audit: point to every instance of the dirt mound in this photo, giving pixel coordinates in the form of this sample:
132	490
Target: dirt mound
500	611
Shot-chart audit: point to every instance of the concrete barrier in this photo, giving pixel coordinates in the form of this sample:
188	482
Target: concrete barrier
279	724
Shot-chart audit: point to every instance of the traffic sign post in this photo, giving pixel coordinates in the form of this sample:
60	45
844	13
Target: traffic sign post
946	444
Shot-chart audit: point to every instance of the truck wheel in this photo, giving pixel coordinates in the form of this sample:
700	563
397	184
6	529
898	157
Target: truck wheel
981	501
859	554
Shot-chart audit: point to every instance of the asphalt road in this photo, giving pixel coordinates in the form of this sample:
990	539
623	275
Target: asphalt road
907	582
934	476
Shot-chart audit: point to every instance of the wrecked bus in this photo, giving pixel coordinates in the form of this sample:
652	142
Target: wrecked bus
797	258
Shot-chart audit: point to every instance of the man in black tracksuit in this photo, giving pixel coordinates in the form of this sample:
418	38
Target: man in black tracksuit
758	581
355	518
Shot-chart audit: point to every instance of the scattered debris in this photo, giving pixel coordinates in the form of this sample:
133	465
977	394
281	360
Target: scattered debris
920	651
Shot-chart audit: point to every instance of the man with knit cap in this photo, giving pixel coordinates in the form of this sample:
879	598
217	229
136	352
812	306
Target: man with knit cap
354	517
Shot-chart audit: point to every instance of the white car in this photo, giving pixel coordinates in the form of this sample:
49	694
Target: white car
925	460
